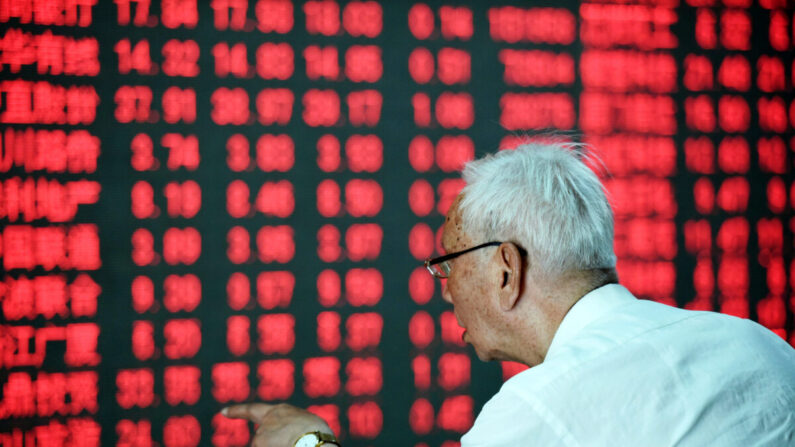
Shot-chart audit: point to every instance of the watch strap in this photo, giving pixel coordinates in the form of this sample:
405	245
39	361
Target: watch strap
323	438
326	438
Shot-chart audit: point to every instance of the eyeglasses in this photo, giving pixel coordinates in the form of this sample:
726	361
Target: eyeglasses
440	267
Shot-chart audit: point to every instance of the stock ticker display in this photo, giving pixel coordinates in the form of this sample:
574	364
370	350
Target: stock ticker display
212	202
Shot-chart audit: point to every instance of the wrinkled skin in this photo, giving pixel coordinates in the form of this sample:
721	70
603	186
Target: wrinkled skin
277	425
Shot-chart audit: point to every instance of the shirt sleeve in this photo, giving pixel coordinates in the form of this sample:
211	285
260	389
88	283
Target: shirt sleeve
509	420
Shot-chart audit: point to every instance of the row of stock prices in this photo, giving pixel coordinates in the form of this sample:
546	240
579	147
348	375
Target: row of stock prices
211	202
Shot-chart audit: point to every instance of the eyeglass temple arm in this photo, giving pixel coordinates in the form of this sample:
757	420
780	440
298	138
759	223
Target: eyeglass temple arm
449	256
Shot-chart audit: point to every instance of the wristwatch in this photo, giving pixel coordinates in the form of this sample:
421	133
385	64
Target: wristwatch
315	439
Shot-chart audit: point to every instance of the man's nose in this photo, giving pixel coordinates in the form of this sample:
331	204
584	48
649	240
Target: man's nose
446	292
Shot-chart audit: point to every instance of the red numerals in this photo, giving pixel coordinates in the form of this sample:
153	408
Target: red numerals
134	57
276	199
539	25
363	241
275	61
421	332
183	199
231	432
364	376
181	246
183	338
456	22
366	420
275	244
329	287
321	108
237	334
363	330
363	198
453	370
321	376
363	18
698	72
230	382
321	62
274	16
142	153
421	412
143	247
179	105
364	153
181	431
143	294
275	289
139	16
735	73
176	13
421	21
275	153
181	57
230	106
364	107
328	243
453	152
276	333
328	331
138	434
238	245
364	287
420	286
735	30
135	387
183	151
363	63
322	17
143	340
276	379
275	106
142	196
231	61
229	14
237	199
237	148
456	414
133	103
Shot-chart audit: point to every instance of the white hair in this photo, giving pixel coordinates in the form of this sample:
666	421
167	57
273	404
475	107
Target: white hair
543	197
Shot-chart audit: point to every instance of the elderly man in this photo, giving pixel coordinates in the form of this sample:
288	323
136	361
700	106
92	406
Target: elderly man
531	276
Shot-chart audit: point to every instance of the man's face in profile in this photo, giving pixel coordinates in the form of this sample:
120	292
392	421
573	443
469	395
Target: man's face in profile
467	287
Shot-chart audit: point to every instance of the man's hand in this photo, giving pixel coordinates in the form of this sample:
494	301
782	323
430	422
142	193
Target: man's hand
279	425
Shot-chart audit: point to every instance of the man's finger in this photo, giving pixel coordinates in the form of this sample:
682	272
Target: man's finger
254	412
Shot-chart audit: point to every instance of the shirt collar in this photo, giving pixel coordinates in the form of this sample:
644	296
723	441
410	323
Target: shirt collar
586	310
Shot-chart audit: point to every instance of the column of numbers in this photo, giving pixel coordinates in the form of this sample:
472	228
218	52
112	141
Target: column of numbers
629	116
349	200
443	111
260	155
164	200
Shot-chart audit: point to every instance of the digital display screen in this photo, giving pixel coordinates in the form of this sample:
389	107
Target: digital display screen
211	202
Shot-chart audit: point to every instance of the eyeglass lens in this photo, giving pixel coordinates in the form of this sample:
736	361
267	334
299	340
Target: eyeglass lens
441	269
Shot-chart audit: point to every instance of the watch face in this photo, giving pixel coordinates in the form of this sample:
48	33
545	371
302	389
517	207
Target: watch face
308	440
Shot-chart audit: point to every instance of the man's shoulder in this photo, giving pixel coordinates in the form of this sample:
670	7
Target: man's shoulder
668	372
656	341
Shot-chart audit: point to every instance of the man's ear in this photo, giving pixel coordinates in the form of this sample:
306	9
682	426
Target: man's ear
511	271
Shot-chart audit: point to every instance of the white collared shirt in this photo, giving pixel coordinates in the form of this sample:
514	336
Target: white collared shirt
627	372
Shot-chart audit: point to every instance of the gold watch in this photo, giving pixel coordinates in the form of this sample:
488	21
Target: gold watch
315	439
